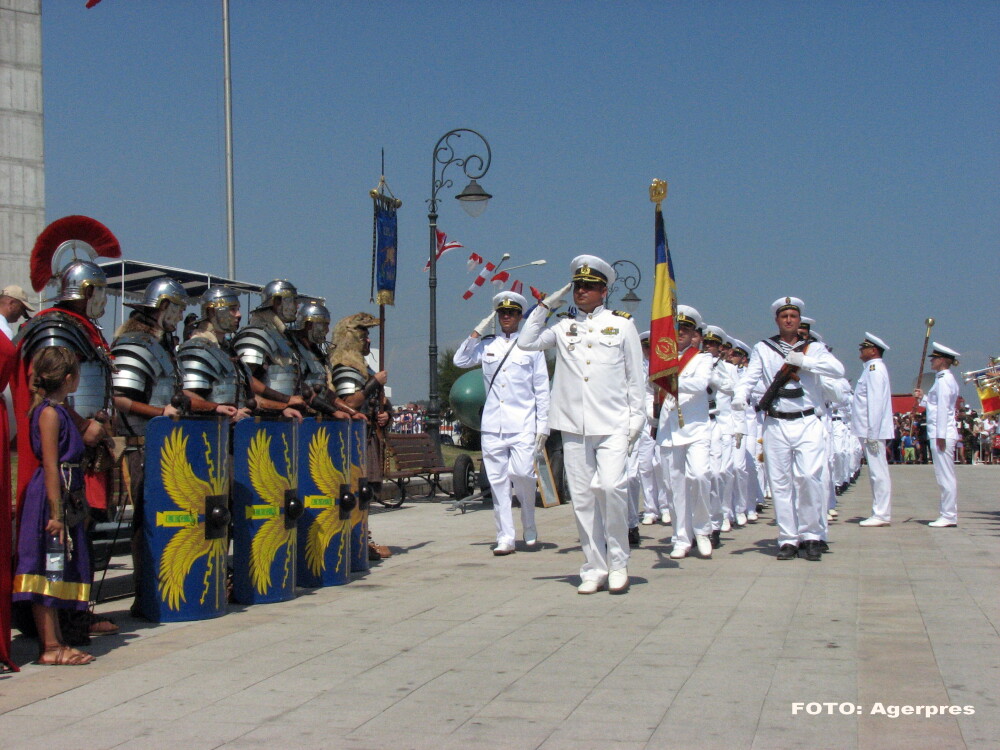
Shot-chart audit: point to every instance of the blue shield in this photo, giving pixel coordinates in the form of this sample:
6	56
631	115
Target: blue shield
324	554
185	520
359	481
266	508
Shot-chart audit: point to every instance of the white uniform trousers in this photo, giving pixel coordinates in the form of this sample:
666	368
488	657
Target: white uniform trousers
688	473
740	476
721	462
510	458
634	487
757	450
649	474
878	474
795	456
944	473
597	478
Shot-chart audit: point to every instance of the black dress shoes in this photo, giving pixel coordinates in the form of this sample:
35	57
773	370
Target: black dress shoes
788	552
823	546
715	537
810	551
634	540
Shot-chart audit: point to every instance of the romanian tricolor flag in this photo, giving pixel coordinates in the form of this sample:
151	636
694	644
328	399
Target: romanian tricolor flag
663	362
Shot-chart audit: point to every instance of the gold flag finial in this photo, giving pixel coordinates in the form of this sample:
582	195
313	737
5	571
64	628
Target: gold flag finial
658	192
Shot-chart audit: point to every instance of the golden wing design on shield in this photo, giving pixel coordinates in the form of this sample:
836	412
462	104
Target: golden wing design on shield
270	486
188	492
328	479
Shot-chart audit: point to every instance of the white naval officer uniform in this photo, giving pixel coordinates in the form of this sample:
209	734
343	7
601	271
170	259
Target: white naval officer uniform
871	424
795	450
941	424
515	412
685	452
596	401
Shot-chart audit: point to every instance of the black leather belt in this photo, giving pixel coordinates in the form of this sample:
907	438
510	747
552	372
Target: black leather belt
838	419
790	414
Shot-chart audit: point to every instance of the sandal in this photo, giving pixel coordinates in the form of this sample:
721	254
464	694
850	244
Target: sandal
102	626
65	656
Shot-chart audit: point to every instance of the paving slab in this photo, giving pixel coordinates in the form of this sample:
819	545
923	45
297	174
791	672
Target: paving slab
444	646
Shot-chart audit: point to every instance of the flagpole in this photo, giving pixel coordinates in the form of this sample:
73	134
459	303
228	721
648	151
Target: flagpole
228	86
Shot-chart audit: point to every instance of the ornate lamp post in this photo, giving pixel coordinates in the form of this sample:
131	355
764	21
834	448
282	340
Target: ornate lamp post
474	200
629	276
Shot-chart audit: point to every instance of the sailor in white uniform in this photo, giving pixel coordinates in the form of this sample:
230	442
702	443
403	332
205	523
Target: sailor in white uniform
720	396
794	437
684	435
515	415
746	490
942	430
871	424
597	402
647	455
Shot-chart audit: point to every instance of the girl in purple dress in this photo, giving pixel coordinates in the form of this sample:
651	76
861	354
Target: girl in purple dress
57	443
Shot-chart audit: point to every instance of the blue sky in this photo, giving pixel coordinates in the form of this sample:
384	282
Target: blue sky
846	153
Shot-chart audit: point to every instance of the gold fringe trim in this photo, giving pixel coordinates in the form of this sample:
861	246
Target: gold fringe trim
69	591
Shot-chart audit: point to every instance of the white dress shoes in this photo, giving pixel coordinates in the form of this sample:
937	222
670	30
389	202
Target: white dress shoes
726	525
741	519
507	548
531	537
704	545
648	519
942	523
679	553
618	582
590	587
873	521
752	515
832	512
665	518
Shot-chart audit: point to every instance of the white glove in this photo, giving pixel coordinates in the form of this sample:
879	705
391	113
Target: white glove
669	402
633	437
739	439
540	440
555	299
738	404
484	324
873	445
794	359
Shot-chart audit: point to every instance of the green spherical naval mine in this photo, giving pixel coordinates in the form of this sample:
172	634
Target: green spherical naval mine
467	397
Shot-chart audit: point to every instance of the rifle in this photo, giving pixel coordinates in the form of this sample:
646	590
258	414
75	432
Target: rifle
781	379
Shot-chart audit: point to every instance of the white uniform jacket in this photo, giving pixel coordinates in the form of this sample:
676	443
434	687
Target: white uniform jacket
871	407
599	382
723	382
940	403
765	363
519	399
692	393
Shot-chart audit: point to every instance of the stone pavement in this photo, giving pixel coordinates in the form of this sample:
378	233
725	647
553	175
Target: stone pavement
445	646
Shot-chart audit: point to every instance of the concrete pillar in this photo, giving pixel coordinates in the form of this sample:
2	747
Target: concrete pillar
22	154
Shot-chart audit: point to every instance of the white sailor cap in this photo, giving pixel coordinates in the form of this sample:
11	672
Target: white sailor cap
644	336
714	333
739	346
509	301
786	303
816	335
872	340
687	314
940	350
592	268
805	322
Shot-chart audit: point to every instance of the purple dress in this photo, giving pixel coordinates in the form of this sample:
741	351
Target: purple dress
30	583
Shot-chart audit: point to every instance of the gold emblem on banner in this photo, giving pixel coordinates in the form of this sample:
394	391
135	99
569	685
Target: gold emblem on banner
666	348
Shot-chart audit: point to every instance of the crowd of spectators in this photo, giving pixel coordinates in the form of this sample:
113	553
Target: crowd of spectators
979	444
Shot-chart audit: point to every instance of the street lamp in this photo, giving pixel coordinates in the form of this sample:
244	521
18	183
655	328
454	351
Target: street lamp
474	200
627	273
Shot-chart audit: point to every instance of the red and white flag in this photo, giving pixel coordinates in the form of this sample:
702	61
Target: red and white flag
475	260
480	279
499	280
517	287
443	246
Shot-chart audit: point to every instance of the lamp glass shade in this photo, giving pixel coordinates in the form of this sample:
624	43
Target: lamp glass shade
474	199
630	301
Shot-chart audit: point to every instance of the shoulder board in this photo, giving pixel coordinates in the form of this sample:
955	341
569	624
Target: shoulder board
487	337
871	368
563	315
622	314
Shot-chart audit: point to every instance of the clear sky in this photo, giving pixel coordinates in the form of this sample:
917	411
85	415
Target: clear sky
844	152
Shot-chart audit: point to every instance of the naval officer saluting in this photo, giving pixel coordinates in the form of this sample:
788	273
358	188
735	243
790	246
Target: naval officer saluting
598	404
514	416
